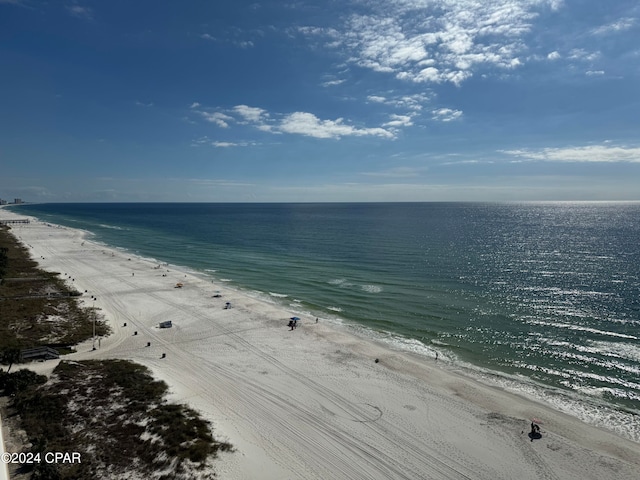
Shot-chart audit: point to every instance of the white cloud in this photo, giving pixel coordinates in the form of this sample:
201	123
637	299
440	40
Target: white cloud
218	118
429	74
232	36
200	141
467	162
594	73
250	114
218	144
399	121
413	103
588	153
436	41
376	99
614	27
80	12
332	83
301	123
266	128
229	144
308	30
308	124
553	56
583	55
556	4
446	114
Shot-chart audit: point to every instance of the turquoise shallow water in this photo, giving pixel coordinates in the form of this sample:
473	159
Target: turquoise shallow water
541	297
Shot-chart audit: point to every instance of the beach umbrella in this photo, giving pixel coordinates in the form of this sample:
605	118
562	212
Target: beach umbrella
295	318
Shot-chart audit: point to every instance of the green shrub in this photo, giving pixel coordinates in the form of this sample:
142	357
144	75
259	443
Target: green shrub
112	405
20	381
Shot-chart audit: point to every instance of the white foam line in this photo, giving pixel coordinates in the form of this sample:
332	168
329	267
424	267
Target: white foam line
583	329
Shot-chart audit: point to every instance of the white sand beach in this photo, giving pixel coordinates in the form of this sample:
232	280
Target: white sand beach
312	403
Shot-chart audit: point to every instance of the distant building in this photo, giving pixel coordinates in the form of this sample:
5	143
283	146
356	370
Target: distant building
17	201
3	202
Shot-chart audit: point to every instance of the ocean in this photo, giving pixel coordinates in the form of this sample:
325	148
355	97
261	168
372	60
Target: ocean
540	298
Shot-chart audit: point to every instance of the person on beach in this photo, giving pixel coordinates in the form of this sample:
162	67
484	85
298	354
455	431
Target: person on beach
535	431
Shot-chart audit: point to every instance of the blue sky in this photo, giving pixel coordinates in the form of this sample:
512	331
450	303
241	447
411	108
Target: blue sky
350	100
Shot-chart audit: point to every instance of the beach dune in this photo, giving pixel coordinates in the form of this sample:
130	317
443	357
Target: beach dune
313	403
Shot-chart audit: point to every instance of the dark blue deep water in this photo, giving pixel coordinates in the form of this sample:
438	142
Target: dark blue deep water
540	297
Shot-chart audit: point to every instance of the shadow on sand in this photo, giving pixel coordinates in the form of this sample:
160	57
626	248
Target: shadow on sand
535	436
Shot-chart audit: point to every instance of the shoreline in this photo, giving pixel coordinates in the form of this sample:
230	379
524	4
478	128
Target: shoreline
312	403
624	420
599	388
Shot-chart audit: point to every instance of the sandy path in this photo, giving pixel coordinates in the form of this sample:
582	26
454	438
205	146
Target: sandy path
312	403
